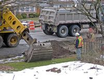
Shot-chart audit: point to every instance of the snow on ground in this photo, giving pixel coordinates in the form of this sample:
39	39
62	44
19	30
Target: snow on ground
74	70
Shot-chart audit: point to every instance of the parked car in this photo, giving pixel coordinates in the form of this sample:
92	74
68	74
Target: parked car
25	23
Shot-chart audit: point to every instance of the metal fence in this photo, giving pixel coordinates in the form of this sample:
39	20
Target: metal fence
92	46
93	51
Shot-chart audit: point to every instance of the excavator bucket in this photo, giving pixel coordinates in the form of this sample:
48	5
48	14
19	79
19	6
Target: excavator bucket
38	51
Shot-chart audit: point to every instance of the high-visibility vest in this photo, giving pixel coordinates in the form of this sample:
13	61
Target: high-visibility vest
80	41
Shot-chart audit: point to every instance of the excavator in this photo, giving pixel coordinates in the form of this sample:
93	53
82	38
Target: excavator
12	30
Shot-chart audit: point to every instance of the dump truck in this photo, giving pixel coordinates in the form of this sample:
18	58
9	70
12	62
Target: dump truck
12	30
63	21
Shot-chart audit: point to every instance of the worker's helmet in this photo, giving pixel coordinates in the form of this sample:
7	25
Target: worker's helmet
77	34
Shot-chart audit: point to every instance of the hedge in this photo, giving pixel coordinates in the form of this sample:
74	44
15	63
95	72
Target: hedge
33	15
24	15
19	16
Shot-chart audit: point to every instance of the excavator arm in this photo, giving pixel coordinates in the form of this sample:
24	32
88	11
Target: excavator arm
36	51
16	25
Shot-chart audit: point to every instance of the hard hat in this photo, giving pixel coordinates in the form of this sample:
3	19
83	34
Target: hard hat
77	34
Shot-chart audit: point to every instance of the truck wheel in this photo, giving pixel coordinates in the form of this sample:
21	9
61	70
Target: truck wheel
62	31
1	41
73	29
11	40
46	31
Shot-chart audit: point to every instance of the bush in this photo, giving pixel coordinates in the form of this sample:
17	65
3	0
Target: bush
24	15
36	15
19	16
31	15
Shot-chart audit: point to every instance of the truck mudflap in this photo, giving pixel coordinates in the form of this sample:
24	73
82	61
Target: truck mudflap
38	51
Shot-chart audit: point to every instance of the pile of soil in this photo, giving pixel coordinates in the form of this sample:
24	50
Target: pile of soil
62	48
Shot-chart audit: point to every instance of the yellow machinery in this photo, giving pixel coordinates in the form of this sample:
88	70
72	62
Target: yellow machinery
7	34
11	31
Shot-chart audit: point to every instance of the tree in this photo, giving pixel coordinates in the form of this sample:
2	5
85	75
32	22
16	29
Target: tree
95	5
15	4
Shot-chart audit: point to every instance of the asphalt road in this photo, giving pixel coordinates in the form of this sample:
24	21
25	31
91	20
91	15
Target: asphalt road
40	36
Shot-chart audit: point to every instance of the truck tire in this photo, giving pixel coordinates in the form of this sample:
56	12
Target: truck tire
1	41
62	31
11	40
73	29
46	31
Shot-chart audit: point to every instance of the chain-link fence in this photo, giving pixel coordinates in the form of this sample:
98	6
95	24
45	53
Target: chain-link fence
93	51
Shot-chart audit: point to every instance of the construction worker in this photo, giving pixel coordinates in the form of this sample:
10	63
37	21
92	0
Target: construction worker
78	45
91	38
90	34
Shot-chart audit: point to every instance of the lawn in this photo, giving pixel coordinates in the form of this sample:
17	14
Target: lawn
23	65
33	19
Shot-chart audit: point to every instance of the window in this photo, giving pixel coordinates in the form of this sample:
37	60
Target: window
22	9
32	9
27	8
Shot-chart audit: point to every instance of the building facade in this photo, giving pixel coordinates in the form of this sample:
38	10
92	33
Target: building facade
30	6
34	6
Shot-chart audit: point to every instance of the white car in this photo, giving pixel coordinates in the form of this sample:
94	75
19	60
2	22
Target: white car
25	23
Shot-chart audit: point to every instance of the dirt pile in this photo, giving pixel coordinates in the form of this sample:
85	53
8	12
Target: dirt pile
62	48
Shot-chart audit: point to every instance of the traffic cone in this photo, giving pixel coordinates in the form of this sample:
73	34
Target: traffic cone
31	25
